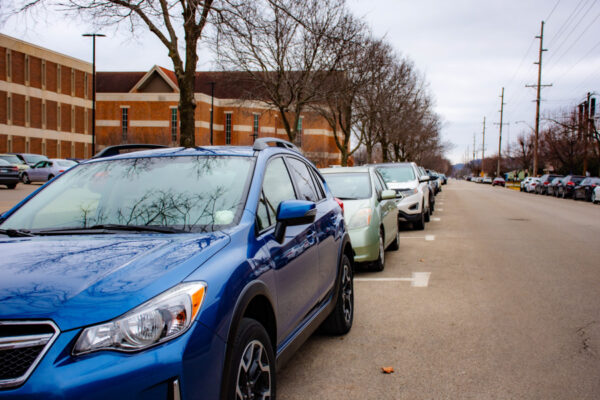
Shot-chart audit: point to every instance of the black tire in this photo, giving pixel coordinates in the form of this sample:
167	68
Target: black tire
428	215
432	205
379	264
420	224
11	186
50	177
340	320
251	366
26	179
395	245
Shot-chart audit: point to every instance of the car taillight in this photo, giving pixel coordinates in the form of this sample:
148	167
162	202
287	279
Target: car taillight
593	185
340	203
546	183
62	170
15	169
570	184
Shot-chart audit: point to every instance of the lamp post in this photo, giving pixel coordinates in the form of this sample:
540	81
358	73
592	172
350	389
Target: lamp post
212	108
93	36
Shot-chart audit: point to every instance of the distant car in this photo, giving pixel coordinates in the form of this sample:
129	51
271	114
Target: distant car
444	179
545	180
585	188
369	210
567	185
498	181
524	182
9	174
487	179
14	160
552	189
45	170
596	195
530	186
30	158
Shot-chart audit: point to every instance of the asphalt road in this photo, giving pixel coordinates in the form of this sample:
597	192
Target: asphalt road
510	311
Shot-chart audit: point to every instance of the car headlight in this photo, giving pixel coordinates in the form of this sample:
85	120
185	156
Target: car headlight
361	218
162	318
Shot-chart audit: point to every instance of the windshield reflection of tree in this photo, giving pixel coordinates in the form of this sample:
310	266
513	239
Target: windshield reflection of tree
211	204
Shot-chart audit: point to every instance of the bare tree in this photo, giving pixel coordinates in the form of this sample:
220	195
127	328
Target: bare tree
168	20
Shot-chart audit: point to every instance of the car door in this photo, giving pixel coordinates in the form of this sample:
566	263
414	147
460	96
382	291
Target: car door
35	173
386	209
295	261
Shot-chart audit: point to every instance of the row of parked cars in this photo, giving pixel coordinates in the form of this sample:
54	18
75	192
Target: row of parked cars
28	168
182	273
577	187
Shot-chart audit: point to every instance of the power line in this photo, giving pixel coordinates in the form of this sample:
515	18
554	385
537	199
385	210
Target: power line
567	21
552	12
558	47
578	61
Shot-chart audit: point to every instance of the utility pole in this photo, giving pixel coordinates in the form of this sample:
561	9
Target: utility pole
500	134
537	107
483	148
474	148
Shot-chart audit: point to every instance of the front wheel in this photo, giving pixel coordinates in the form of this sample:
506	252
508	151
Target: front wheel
420	224
379	264
11	186
26	179
594	197
340	320
251	370
396	243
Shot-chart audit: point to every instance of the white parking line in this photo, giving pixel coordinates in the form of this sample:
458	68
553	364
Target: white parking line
429	237
436	219
440	209
419	279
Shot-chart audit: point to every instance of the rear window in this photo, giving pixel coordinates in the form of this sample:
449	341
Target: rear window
349	186
11	159
398	174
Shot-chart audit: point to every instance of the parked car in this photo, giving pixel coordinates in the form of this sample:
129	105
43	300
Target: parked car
444	178
487	179
567	184
530	186
14	160
435	181
498	181
545	181
596	195
552	189
412	191
432	193
175	273
524	183
45	170
585	188
9	174
30	158
369	210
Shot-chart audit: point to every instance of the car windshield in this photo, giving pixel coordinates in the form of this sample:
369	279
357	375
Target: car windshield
187	193
397	174
4	162
33	158
11	159
349	186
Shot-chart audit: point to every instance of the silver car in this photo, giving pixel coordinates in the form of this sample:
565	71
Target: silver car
45	170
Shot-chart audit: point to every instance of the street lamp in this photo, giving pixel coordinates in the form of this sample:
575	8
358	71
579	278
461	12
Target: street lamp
93	36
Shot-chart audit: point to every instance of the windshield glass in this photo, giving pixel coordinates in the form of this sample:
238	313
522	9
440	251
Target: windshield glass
11	159
188	193
349	186
401	173
33	158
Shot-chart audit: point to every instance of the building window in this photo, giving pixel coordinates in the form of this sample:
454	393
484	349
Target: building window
58	79
72	118
9	108
124	123
27	69
227	128
298	141
43	74
43	114
27	112
173	124
44	147
58	149
85	85
8	65
27	145
85	121
72	82
58	117
9	145
255	127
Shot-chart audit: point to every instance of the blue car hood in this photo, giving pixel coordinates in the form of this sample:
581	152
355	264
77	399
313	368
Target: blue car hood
82	280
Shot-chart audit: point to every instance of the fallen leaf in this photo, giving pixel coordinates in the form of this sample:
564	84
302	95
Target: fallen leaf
421	260
387	370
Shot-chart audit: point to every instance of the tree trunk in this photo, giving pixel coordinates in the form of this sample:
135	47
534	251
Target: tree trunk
187	109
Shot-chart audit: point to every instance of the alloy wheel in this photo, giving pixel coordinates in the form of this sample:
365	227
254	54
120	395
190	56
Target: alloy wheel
347	295
254	373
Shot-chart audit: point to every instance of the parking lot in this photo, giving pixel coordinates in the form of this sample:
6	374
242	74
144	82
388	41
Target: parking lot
497	298
510	309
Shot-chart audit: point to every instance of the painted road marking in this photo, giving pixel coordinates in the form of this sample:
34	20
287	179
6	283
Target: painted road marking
419	279
429	237
436	219
440	209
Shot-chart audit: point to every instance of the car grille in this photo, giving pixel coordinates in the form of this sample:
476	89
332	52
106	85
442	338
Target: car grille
22	346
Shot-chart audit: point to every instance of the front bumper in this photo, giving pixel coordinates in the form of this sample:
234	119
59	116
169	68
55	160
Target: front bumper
9	180
195	360
365	243
409	208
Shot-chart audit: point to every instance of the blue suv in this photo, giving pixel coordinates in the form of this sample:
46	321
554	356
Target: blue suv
176	273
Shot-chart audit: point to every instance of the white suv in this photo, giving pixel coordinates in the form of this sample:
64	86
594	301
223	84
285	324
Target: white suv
412	191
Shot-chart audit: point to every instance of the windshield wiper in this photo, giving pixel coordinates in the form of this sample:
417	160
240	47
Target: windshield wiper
16	233
110	228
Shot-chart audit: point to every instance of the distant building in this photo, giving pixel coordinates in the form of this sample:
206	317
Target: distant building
45	101
141	107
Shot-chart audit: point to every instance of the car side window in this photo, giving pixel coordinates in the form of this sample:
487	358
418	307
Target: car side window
378	186
303	180
277	187
318	184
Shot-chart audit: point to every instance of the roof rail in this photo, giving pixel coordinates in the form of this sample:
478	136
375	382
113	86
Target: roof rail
126	148
263	143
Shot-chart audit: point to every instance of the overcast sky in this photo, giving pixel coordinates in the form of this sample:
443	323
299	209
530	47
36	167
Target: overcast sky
467	49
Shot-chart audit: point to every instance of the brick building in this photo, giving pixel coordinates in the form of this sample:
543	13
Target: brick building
45	101
141	107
